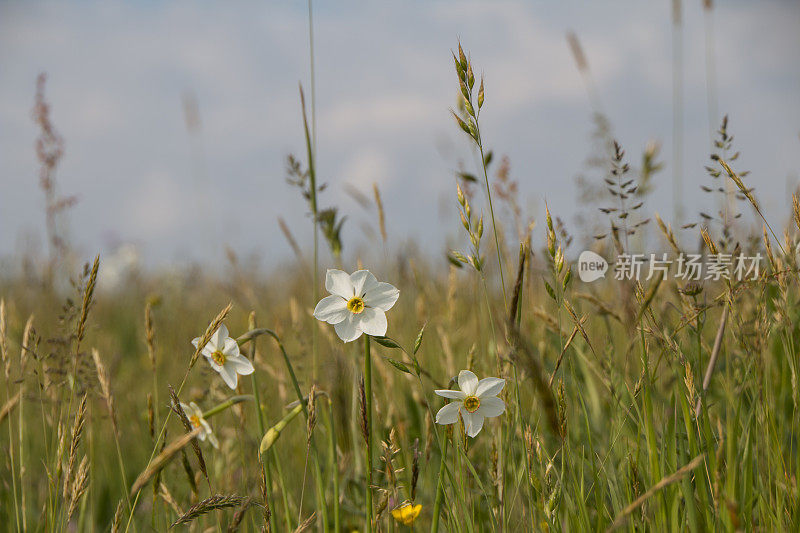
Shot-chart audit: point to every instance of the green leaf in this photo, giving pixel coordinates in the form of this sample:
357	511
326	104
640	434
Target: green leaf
387	342
399	366
567	278
550	291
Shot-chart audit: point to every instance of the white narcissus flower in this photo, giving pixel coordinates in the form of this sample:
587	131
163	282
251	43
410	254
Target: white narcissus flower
195	416
357	304
475	401
223	354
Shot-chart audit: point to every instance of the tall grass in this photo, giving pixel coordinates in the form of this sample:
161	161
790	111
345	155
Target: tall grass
650	404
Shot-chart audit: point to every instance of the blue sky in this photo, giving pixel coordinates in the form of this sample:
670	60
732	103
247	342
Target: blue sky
117	73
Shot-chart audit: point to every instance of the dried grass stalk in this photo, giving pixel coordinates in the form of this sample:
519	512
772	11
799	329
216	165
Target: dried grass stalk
105	388
161	460
210	330
176	406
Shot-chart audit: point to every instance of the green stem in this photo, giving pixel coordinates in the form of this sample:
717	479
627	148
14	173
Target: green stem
233	400
317	469
368	394
491	212
23	504
333	467
287	514
261	430
437	506
13	465
312	177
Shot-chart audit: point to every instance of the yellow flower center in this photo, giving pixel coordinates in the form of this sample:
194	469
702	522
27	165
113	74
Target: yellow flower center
471	403
407	513
195	420
355	305
218	357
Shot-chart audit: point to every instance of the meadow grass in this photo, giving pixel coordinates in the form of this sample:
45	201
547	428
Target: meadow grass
649	404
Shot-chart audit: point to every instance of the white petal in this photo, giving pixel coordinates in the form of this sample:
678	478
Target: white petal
229	376
473	422
186	409
194	409
491	406
213	440
488	387
467	382
241	364
372	322
338	282
382	296
231	347
363	281
196	341
454	394
347	330
217	341
448	414
331	309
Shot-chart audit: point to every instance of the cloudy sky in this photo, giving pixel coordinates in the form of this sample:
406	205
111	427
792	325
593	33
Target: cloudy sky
119	72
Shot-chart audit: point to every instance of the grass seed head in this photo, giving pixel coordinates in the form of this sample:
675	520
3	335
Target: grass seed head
212	503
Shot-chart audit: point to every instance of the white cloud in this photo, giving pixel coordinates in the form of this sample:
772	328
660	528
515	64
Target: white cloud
385	82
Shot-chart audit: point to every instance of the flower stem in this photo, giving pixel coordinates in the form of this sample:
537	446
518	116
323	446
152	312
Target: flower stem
368	401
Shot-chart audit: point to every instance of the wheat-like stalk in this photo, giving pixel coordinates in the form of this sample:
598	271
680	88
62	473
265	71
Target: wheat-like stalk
105	388
210	330
78	487
212	503
88	295
176	406
75	440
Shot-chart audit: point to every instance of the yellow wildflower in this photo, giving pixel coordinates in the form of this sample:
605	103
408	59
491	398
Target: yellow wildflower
407	513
